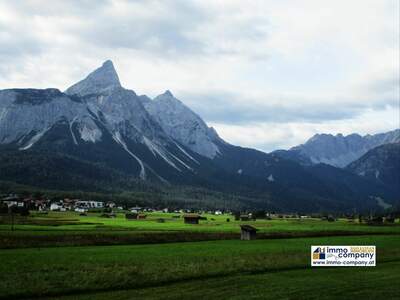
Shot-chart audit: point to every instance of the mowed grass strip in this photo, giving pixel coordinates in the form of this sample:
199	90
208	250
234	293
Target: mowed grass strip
323	283
78	270
29	240
15	240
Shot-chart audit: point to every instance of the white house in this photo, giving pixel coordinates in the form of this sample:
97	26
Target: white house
89	204
55	206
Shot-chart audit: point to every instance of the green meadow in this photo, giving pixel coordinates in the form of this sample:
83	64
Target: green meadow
73	222
49	256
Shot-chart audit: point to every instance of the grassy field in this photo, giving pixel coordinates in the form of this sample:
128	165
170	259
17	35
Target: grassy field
284	284
92	272
69	229
71	221
217	266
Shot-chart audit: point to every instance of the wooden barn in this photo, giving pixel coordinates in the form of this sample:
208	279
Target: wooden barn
248	232
191	218
135	216
244	218
141	216
131	216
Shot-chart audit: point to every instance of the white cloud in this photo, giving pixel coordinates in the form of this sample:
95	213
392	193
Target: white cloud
267	136
294	67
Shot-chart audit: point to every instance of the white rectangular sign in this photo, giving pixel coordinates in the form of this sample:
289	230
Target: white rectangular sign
343	256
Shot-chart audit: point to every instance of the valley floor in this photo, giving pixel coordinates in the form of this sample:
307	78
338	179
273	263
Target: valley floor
266	268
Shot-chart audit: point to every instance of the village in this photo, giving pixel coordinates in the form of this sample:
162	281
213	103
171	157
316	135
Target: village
15	204
30	203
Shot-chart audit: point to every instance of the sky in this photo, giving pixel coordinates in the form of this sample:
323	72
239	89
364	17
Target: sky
265	74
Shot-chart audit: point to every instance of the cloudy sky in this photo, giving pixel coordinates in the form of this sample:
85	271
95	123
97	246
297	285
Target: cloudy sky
265	74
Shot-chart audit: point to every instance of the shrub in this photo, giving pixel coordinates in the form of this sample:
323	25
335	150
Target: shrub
24	211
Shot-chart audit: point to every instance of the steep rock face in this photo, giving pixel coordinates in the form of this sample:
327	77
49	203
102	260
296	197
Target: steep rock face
96	110
341	150
26	114
183	125
120	109
99	80
381	163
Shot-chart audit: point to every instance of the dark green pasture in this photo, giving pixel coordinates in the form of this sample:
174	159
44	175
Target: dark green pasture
276	268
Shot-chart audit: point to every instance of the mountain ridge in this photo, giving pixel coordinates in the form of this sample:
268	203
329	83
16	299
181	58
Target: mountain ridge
381	163
339	150
98	123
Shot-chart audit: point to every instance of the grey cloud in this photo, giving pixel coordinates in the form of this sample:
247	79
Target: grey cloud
166	30
389	84
31	8
16	45
228	108
164	35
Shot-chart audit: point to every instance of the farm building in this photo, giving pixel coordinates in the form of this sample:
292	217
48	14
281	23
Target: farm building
135	216
247	232
191	218
141	216
55	206
131	216
244	217
135	209
89	204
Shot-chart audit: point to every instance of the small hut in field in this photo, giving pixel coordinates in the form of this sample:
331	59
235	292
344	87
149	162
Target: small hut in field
191	218
141	216
135	216
131	216
244	217
248	232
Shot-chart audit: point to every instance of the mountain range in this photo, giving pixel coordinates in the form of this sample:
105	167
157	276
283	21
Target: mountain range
340	151
99	136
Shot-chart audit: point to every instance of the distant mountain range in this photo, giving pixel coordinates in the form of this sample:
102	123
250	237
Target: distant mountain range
99	136
338	150
381	164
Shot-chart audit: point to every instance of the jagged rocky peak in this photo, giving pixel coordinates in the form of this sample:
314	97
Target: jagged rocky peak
167	96
183	125
99	80
339	150
168	93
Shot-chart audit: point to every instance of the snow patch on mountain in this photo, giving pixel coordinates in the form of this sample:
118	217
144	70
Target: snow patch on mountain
118	138
72	132
34	140
90	133
158	151
185	152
